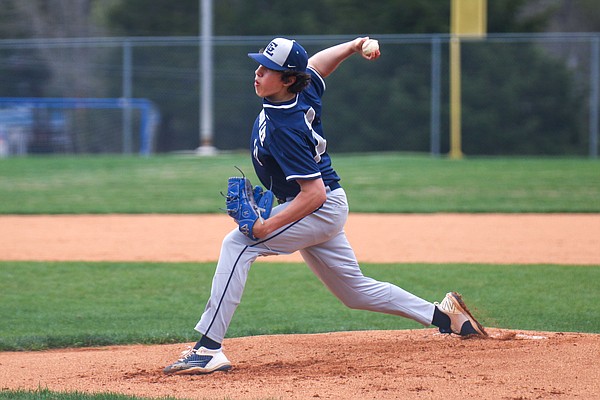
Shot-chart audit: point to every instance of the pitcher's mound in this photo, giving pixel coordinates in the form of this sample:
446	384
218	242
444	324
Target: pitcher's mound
415	364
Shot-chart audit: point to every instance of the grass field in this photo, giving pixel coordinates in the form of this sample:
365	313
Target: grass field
388	182
49	305
44	394
71	304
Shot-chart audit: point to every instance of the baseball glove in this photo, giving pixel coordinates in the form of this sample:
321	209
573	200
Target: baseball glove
247	204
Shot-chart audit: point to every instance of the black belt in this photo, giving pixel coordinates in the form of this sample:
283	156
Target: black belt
332	186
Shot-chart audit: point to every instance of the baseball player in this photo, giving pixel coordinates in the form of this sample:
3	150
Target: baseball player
289	154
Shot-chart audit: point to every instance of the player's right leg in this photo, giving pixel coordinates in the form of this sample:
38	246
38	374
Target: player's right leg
458	319
335	264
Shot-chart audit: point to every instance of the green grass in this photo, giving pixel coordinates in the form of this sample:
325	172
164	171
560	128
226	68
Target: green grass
391	183
50	305
44	394
114	184
383	182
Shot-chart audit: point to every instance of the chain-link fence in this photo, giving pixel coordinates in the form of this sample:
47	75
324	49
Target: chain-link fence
521	95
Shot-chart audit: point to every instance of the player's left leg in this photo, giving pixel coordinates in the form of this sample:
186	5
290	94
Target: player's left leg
227	287
228	284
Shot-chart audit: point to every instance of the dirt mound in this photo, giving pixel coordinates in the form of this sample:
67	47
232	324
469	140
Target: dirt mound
416	364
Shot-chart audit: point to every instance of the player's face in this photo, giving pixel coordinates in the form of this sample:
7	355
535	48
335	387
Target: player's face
268	84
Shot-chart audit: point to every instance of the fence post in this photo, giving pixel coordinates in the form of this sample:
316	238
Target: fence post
206	79
436	79
594	95
127	95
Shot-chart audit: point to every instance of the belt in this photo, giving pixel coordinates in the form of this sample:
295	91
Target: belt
332	186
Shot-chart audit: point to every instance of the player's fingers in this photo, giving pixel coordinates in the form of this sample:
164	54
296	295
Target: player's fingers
372	56
358	42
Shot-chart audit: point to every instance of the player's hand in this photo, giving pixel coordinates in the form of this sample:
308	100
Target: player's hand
357	45
260	230
248	205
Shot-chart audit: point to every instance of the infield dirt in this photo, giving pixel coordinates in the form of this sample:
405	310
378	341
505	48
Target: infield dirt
413	364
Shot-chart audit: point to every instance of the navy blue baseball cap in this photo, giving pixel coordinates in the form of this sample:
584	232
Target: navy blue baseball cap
281	55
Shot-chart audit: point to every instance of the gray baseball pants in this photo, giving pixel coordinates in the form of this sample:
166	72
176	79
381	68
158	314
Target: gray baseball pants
321	240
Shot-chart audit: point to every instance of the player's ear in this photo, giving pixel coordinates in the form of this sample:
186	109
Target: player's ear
288	80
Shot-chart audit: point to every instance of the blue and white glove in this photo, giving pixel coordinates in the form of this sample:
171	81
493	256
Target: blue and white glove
247	204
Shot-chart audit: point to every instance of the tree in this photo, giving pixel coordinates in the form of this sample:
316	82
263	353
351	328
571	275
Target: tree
70	68
402	71
395	97
311	17
154	18
519	100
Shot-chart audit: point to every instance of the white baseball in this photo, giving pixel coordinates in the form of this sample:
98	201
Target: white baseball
370	46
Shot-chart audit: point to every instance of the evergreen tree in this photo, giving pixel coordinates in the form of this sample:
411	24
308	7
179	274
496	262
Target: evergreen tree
509	107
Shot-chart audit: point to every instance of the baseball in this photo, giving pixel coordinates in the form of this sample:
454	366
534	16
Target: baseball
370	46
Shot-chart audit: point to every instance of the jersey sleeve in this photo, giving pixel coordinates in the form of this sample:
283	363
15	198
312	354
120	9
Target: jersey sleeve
317	83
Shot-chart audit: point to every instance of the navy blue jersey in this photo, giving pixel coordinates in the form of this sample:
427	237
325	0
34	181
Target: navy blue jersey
288	144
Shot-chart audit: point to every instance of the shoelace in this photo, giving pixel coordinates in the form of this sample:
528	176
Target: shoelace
447	305
186	353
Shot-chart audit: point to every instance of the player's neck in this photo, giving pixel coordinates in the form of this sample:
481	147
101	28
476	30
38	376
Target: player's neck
281	97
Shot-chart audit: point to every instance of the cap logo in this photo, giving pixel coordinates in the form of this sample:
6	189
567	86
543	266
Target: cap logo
271	48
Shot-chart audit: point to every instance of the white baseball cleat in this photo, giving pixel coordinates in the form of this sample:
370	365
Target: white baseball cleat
201	361
461	321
